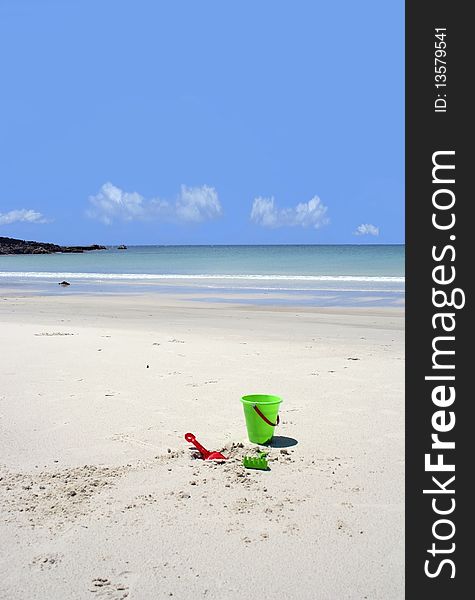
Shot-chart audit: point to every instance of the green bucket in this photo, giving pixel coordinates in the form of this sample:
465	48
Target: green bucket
261	412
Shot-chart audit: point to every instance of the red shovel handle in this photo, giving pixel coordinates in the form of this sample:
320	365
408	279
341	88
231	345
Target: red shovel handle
189	437
264	418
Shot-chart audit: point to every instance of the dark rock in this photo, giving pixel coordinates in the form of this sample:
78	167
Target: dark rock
14	246
82	248
122	247
64	283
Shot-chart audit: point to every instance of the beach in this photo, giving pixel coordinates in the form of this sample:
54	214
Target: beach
101	496
191	213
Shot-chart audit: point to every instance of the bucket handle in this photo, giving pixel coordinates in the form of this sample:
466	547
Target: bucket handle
264	418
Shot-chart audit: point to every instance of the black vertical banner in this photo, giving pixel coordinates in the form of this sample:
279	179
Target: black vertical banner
439	351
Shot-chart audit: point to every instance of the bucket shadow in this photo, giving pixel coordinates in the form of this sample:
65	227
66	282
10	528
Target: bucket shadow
281	441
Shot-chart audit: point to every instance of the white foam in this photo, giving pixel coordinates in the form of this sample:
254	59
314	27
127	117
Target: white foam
177	276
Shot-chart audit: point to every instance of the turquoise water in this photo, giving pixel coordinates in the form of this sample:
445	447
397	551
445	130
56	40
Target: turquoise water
295	269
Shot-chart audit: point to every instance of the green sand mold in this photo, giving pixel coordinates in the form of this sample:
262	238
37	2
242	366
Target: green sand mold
256	462
261	413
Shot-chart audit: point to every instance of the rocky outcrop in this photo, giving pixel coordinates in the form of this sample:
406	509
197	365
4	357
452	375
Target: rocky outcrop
14	246
81	248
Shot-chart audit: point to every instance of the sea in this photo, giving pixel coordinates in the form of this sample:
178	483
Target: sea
307	275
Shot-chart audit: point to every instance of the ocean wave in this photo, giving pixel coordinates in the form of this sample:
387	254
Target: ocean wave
201	276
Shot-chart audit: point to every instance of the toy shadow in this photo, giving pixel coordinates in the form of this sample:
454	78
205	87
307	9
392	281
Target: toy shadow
281	441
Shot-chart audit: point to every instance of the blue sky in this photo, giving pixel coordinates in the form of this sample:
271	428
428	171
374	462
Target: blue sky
190	122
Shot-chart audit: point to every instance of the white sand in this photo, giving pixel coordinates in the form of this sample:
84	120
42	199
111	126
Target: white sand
92	504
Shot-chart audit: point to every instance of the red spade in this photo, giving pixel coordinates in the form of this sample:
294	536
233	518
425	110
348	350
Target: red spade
206	454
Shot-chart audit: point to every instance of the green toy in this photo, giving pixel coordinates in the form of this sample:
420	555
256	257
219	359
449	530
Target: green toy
256	462
261	413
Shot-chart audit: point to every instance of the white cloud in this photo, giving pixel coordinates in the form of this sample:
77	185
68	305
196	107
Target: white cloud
111	203
193	204
366	229
22	215
198	204
305	214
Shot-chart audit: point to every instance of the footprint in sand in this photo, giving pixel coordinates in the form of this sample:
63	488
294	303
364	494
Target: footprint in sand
54	333
262	538
291	529
56	497
104	588
343	528
46	561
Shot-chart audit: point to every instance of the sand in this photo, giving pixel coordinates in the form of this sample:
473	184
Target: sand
101	497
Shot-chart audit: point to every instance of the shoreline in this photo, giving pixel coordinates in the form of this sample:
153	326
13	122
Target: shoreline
168	299
346	275
278	301
245	295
